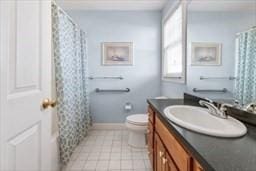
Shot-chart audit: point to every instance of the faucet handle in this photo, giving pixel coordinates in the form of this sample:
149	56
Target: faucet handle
251	107
236	102
223	106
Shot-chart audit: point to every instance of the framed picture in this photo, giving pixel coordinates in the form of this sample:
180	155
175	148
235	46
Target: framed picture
117	53
206	54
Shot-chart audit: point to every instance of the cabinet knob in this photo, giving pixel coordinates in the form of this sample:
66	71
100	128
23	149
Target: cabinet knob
164	160
161	154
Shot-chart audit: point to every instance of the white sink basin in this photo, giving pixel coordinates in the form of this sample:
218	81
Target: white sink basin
199	120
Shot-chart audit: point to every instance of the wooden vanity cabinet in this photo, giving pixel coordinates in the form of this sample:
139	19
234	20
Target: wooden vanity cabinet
166	153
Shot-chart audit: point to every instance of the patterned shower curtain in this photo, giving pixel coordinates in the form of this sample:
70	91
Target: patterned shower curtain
245	84
71	82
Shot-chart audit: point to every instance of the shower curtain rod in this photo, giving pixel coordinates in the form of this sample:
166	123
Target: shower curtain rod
253	27
64	12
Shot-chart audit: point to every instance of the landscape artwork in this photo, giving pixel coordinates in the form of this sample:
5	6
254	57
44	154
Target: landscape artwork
206	54
117	53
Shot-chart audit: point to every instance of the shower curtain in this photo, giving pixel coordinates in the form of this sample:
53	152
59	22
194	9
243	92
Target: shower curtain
71	69
245	84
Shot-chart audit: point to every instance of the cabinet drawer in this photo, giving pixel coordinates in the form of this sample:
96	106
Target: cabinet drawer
150	115
178	154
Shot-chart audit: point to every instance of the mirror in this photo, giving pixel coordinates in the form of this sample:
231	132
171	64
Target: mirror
221	55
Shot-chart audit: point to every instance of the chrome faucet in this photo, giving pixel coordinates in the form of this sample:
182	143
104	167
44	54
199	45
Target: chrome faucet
251	107
213	110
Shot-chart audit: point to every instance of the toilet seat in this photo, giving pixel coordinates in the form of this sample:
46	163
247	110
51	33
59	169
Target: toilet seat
137	119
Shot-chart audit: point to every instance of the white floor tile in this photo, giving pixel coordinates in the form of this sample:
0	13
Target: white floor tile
147	164
74	156
87	149
90	165
89	142
93	156
107	143
96	149
77	165
116	150
102	165
126	156
137	155
114	165
126	164
138	164
108	150
104	156
82	156
115	156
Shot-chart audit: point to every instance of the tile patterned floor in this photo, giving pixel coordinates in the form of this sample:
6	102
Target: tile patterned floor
108	150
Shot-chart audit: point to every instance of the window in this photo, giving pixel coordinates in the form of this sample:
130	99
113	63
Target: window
174	46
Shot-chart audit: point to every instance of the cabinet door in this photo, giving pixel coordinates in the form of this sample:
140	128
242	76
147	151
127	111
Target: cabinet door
159	154
150	134
169	163
197	166
151	115
179	155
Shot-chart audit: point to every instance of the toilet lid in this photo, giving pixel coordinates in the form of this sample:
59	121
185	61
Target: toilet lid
138	119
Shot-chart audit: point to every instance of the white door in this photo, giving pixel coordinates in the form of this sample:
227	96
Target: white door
25	80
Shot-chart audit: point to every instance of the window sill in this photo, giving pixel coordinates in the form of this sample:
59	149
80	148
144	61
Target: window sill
180	80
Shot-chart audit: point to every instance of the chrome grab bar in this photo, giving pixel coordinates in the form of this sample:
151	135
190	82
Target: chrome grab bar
224	78
119	78
224	90
97	90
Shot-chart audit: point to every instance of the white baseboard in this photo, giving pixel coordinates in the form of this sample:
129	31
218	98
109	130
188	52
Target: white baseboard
108	126
55	161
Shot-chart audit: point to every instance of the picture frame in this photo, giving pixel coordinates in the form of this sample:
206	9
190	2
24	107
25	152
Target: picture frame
117	53
205	54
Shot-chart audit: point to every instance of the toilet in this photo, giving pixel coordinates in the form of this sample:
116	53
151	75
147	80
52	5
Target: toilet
137	126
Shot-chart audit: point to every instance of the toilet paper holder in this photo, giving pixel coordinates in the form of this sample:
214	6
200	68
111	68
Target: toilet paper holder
128	106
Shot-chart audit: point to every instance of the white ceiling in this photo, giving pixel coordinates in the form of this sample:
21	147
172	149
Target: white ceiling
222	5
112	4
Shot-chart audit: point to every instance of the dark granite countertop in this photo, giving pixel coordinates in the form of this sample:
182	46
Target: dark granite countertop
213	153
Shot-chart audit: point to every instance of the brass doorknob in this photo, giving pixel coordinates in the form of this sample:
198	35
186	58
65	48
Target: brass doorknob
48	103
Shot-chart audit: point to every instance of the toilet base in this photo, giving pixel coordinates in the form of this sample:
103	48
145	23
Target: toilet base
137	139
